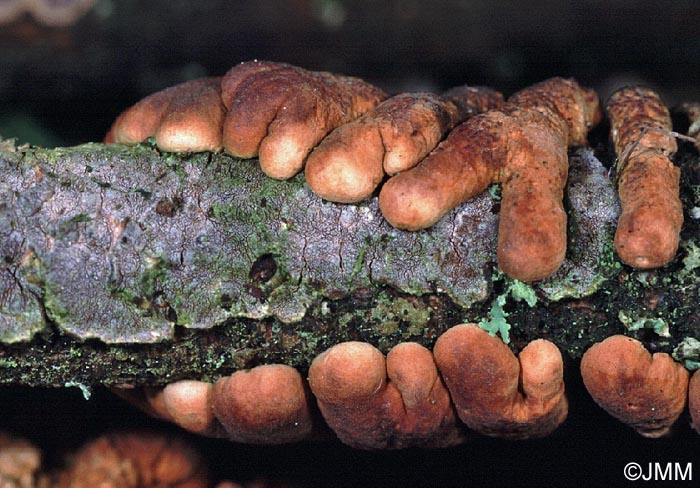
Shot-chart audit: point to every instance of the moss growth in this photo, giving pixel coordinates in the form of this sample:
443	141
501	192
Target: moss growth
340	274
688	352
656	324
8	363
522	291
497	320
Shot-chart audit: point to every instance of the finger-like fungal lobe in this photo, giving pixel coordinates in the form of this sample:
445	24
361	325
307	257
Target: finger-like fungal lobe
522	146
647	392
352	161
20	462
264	405
694	400
495	392
134	460
648	230
375	403
183	118
189	404
280	112
268	404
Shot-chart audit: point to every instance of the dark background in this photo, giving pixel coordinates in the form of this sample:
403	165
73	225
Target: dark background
64	85
590	449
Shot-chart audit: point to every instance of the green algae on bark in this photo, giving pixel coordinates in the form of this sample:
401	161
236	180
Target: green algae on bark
122	244
123	265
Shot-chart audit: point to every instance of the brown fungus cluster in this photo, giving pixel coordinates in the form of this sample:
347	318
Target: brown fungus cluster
649	228
412	397
395	136
351	138
355	142
646	391
120	459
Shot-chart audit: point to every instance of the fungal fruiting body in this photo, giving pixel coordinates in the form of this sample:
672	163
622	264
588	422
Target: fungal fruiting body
134	460
495	392
647	392
353	160
275	111
372	402
350	142
280	112
264	405
411	398
268	404
648	230
19	462
522	146
184	117
694	400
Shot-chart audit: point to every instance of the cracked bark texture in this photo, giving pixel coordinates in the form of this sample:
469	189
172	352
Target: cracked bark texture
123	265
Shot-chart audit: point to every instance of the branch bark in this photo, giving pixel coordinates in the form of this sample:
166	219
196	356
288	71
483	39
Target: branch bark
123	265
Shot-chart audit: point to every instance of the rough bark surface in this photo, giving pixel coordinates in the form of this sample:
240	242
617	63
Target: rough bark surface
124	265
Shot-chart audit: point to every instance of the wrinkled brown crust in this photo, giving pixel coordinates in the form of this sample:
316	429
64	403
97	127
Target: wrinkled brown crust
523	147
648	230
183	118
647	392
495	393
134	461
694	400
20	462
352	161
473	100
275	111
265	405
375	403
281	112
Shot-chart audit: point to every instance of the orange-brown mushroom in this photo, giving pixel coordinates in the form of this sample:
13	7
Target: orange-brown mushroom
20	462
189	405
494	393
264	405
134	460
373	403
183	118
647	392
267	404
522	146
280	112
275	111
694	400
352	161
649	227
